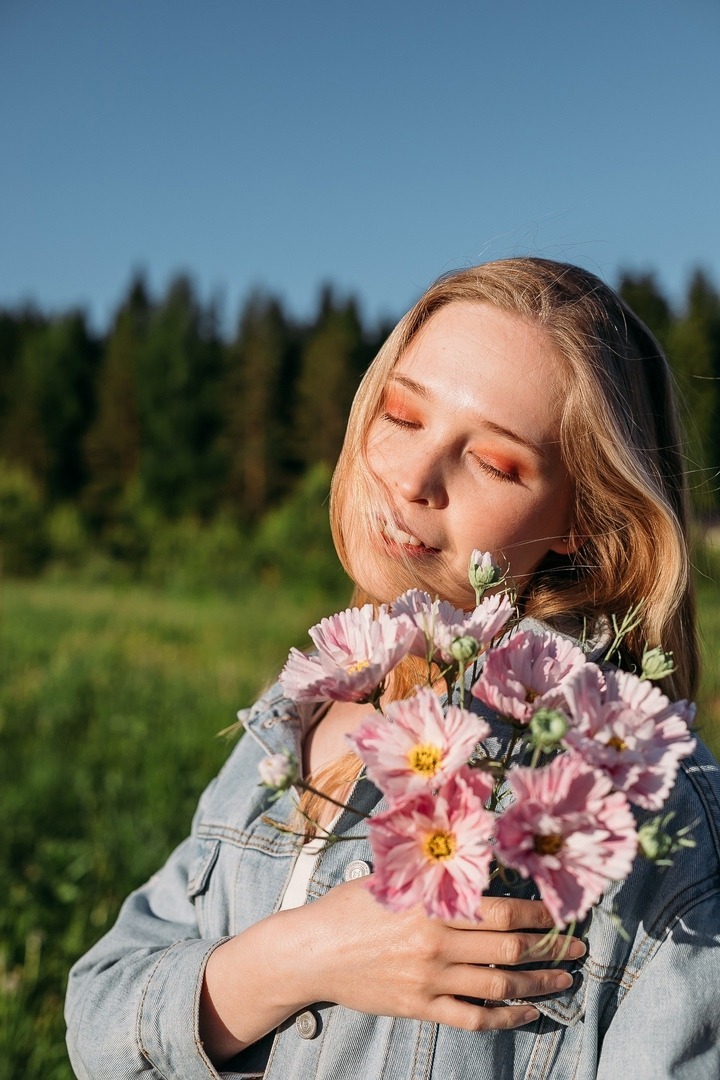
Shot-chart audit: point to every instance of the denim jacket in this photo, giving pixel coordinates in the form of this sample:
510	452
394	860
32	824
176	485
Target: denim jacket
645	1003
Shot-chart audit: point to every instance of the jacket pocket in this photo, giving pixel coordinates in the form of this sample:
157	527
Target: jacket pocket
201	867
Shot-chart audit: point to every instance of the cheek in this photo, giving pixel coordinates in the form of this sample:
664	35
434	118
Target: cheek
378	452
513	522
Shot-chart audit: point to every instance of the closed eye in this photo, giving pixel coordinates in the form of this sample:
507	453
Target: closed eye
398	421
491	470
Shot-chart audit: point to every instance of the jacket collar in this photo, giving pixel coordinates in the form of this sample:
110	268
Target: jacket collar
277	723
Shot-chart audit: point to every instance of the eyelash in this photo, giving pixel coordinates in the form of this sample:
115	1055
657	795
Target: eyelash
396	420
409	425
510	478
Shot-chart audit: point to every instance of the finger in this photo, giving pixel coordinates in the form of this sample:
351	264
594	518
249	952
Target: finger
463	1014
509	949
500	984
507	913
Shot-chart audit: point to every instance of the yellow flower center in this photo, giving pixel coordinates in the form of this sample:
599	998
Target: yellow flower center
617	743
531	695
358	665
425	758
548	845
439	845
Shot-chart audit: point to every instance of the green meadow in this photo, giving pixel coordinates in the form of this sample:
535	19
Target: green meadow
111	700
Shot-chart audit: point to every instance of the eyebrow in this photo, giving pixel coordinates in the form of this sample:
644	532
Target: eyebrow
498	429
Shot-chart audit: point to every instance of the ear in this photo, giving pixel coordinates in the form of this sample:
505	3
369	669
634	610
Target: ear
567	545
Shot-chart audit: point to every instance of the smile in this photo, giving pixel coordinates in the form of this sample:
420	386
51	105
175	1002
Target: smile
412	544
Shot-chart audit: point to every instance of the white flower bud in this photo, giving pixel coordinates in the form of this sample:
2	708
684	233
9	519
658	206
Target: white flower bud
653	841
657	843
548	727
656	664
483	572
464	649
278	771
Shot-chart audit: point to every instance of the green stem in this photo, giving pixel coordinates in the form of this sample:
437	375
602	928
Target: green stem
321	794
495	797
461	682
629	622
511	747
536	757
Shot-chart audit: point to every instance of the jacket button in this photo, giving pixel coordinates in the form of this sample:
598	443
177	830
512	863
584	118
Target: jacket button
356	869
306	1024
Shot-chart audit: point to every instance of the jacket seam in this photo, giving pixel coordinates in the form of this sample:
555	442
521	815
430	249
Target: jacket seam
245	839
694	770
546	1047
417	1047
324	1023
681	911
388	1044
683	900
141	1008
211	1070
431	1028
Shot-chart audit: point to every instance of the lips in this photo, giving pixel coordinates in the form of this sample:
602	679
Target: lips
395	534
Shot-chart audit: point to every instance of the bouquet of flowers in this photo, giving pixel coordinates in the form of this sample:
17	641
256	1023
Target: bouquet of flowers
587	740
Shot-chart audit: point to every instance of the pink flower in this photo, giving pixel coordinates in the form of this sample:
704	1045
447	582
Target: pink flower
523	675
439	622
414	748
355	651
435	850
569	832
628	728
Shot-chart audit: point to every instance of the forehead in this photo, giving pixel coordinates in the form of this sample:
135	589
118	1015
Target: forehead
481	329
475	356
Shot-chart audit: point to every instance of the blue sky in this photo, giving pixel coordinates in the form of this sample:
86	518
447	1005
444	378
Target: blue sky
283	144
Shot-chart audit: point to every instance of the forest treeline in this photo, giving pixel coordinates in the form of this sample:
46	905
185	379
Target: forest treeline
105	441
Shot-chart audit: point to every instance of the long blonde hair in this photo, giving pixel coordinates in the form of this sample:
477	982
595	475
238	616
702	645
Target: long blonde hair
619	439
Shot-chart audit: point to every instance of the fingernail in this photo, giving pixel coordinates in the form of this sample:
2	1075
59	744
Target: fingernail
529	1015
577	948
563	980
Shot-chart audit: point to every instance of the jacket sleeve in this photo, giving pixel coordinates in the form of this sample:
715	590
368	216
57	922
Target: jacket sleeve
668	1025
132	1003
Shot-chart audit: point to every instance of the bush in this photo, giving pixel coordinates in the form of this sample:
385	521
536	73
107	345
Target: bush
293	544
190	556
128	537
67	535
23	536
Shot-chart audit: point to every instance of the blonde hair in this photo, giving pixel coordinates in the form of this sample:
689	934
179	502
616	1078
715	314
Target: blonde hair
620	442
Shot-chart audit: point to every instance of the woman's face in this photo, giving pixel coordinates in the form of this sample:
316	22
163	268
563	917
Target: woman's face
466	447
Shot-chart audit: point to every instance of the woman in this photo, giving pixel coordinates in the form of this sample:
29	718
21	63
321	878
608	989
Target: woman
520	408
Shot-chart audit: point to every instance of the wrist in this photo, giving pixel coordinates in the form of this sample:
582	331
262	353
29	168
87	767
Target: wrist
251	984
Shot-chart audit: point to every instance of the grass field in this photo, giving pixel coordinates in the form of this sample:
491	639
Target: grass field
110	701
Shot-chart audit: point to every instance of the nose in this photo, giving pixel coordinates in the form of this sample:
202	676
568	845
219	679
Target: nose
421	479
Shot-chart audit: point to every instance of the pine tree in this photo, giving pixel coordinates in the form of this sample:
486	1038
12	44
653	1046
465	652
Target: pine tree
51	403
112	445
694	352
641	292
260	385
179	388
332	361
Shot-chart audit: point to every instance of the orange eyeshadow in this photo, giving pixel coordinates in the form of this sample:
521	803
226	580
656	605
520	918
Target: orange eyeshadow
506	465
396	402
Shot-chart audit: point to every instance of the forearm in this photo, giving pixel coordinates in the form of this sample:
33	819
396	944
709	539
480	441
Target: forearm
252	983
346	948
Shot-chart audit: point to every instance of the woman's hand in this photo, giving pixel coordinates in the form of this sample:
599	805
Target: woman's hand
347	948
361	955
